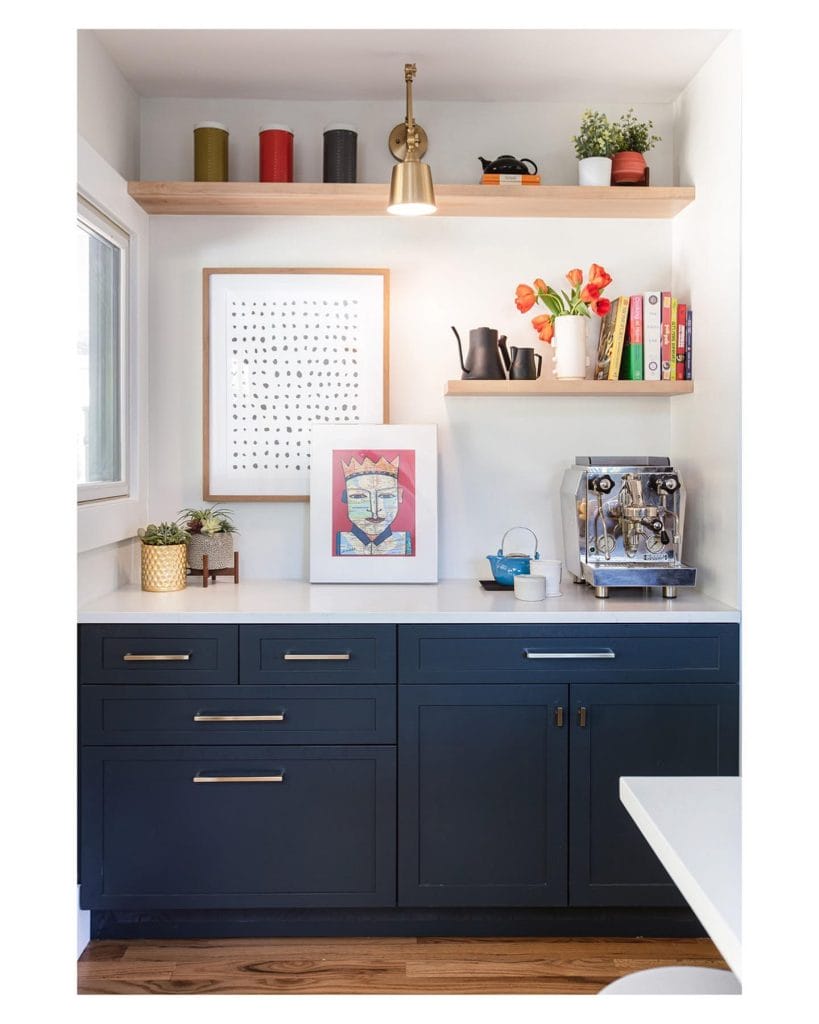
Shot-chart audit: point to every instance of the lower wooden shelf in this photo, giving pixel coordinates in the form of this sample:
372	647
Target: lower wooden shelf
550	386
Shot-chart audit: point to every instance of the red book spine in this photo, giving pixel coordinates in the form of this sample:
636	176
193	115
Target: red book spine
680	342
667	353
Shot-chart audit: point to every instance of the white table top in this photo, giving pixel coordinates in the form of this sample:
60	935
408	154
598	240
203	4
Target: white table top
450	601
693	824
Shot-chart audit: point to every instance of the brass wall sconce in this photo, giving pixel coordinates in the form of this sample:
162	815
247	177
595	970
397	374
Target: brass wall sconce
411	193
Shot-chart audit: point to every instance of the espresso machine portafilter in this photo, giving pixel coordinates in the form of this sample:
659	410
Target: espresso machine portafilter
623	523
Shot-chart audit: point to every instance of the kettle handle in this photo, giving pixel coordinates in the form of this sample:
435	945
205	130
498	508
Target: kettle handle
507	362
503	541
460	350
527	160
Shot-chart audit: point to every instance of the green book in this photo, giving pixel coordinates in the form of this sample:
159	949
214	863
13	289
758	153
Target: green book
631	367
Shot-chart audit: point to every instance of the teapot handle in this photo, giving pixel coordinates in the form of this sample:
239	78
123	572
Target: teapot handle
503	541
526	160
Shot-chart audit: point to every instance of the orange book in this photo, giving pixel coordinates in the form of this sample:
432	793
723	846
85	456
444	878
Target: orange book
510	179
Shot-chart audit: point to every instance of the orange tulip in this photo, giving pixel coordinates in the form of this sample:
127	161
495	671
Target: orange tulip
601	307
599	277
574	277
541	285
525	298
544	327
591	293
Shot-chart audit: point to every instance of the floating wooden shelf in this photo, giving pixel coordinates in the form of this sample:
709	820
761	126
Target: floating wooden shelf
550	386
302	199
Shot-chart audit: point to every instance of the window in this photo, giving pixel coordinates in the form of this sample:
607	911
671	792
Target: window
102	356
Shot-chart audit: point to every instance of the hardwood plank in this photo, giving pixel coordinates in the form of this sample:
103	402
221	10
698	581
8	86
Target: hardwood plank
367	199
385	966
552	386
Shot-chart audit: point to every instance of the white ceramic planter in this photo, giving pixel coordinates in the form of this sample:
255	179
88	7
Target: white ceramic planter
569	343
594	170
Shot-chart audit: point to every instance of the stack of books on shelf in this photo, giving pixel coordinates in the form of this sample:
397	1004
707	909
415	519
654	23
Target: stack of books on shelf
645	337
510	179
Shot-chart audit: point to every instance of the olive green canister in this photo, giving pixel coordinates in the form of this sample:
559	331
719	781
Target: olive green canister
210	151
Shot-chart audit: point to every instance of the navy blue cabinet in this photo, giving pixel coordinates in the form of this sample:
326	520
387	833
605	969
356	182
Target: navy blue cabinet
637	729
483	796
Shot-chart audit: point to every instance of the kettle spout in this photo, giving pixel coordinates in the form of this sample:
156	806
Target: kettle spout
507	362
460	352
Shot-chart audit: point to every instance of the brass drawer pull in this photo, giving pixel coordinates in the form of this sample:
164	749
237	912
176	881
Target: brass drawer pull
238	778
157	657
239	718
542	655
316	657
559	717
582	717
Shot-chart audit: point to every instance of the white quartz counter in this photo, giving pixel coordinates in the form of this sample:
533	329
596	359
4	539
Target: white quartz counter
455	601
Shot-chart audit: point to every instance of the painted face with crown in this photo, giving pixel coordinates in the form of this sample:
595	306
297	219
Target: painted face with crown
373	497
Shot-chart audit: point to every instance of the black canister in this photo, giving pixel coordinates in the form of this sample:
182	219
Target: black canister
340	142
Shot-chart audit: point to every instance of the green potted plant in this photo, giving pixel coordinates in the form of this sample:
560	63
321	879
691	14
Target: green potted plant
164	550
634	138
210	532
594	144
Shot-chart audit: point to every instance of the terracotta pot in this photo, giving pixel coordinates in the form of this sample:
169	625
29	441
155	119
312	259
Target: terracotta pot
628	168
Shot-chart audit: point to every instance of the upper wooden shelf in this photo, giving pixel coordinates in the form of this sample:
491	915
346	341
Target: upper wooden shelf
303	199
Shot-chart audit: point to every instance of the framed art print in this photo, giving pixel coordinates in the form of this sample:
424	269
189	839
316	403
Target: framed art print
285	349
374	504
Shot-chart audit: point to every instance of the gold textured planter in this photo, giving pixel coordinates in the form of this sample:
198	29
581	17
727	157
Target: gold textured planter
164	567
218	547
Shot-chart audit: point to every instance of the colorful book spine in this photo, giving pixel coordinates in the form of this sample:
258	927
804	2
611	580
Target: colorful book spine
510	179
672	372
619	338
689	323
652	338
632	365
665	323
682	310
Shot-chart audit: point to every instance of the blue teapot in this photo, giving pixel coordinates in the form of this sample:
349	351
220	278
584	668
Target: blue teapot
506	567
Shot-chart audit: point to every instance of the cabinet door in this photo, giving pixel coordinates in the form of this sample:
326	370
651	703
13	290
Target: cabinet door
638	729
220	827
482	793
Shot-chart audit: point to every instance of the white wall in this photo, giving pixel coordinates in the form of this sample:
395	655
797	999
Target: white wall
107	107
458	134
706	256
501	459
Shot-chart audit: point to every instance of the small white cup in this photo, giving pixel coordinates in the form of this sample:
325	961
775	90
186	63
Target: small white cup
530	588
551	570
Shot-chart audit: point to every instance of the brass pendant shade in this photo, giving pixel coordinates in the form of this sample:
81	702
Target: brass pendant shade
411	192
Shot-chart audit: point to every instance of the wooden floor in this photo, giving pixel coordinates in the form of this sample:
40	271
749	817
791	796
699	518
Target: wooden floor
378	965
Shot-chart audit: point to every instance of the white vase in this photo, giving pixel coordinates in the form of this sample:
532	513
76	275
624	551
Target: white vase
569	342
594	170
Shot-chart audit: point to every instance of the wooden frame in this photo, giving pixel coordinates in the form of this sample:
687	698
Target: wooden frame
222	286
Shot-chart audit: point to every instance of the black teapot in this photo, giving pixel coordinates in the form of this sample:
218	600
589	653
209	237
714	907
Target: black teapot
508	165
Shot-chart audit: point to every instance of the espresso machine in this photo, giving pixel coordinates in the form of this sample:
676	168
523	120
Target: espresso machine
623	523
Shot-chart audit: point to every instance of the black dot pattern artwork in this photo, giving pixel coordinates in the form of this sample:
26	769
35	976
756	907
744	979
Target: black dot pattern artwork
292	363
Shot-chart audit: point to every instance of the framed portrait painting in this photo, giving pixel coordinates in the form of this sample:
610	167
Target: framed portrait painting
284	349
373	504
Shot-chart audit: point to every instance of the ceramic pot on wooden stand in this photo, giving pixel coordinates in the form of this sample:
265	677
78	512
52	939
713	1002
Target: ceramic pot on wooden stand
569	343
594	170
628	168
218	547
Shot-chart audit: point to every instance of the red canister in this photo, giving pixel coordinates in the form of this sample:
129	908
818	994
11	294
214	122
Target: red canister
275	153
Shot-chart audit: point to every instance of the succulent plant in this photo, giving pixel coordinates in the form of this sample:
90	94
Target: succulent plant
207	520
164	534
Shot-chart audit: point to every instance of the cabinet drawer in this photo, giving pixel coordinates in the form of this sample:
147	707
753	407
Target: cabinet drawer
571	653
353	654
159	654
254	714
221	827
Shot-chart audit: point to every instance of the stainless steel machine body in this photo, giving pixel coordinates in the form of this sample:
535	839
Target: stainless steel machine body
623	523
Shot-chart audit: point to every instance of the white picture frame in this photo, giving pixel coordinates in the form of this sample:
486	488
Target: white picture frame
374	504
283	348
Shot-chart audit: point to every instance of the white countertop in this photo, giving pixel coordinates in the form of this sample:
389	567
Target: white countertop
693	824
451	601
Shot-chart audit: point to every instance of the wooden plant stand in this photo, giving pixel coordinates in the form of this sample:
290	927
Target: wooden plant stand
204	572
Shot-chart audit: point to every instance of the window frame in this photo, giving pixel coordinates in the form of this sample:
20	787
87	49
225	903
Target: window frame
92	218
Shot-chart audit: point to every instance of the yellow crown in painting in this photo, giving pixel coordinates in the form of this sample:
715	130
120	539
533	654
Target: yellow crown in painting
384	466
